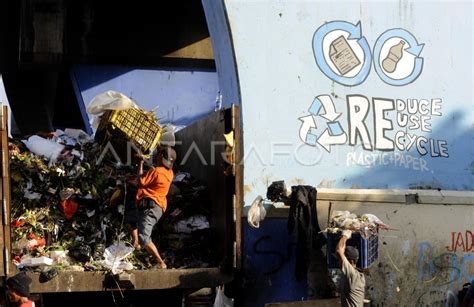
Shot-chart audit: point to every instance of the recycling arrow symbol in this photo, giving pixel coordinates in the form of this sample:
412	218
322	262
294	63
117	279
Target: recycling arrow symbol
355	33
333	135
414	48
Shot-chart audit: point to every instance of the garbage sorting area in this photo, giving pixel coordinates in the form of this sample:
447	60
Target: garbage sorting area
69	198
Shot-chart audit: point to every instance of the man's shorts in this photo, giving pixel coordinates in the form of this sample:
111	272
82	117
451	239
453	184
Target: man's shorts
145	220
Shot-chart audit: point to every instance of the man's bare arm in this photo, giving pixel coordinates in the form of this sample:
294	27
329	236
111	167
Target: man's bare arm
341	245
140	168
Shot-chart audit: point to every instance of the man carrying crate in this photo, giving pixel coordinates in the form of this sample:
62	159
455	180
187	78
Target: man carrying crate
352	286
153	186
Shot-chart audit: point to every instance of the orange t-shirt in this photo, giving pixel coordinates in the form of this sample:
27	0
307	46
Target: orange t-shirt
155	184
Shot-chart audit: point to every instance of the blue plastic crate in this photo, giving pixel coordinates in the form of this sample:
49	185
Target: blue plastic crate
368	249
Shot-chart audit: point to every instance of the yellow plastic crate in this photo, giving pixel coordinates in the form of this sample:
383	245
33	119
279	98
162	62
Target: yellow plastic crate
137	125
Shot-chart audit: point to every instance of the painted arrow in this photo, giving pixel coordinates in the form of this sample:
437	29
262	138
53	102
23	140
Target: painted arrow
355	32
331	114
307	124
414	49
326	140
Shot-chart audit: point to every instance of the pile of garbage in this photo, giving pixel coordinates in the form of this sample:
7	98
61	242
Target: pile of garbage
365	224
68	202
185	236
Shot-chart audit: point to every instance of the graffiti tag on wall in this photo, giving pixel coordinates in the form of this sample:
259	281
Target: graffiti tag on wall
461	242
451	264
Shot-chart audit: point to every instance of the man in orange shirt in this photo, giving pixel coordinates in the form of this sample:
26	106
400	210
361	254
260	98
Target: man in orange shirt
153	186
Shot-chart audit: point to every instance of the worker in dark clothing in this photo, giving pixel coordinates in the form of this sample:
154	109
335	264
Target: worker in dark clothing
18	288
352	286
468	300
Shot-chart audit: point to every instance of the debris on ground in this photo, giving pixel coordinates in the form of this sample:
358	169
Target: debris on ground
68	199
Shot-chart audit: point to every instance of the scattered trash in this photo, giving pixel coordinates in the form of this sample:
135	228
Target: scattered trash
59	257
221	299
80	252
46	276
37	261
114	258
68	204
191	224
110	100
365	224
167	137
256	212
43	147
69	207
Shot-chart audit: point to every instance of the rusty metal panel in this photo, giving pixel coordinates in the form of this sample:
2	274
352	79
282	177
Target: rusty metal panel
239	170
5	241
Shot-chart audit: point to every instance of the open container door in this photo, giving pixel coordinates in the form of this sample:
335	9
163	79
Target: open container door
201	152
5	195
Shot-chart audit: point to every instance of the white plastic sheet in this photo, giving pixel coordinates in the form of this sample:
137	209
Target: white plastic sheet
110	100
167	137
115	257
221	299
257	212
43	147
191	224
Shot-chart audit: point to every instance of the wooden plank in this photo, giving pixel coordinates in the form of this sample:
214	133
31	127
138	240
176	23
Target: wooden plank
5	216
239	193
68	281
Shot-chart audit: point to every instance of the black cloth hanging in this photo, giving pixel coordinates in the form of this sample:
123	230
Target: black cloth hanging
303	221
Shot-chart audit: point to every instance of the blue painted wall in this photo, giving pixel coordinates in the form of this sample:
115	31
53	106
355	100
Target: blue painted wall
269	265
283	54
222	46
181	95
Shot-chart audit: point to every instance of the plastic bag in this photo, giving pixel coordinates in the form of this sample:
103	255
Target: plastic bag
221	299
193	223
80	252
256	213
69	207
80	136
167	136
43	147
109	100
114	257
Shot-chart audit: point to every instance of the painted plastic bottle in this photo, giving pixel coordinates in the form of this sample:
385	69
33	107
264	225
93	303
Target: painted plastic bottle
395	54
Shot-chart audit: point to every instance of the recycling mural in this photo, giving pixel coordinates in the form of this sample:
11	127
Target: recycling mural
356	94
343	55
